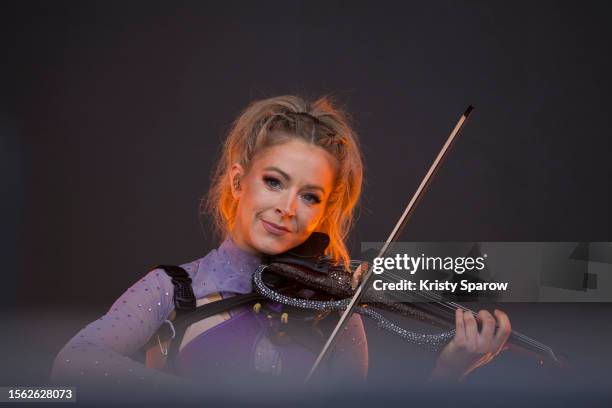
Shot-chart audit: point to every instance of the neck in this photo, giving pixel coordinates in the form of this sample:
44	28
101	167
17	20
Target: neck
240	244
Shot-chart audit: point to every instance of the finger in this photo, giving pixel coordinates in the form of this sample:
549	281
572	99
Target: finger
358	274
485	339
459	327
471	330
503	330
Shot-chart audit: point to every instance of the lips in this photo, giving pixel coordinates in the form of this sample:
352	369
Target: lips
274	229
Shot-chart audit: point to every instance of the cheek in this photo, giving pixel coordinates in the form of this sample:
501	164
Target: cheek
310	218
256	200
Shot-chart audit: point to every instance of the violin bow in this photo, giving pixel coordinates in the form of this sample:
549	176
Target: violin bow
408	211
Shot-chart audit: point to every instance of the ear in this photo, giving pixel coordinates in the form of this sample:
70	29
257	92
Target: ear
236	174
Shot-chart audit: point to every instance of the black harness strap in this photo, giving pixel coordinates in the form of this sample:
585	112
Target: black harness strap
186	311
184	299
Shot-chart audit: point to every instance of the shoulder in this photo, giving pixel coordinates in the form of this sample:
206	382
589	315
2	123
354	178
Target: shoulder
198	271
193	268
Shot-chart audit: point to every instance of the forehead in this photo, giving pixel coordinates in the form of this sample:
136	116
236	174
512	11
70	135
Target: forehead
303	162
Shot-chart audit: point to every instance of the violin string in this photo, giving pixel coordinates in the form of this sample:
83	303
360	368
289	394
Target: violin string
453	306
450	311
450	308
437	299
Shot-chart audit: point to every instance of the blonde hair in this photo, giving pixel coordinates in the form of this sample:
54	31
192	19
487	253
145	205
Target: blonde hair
274	121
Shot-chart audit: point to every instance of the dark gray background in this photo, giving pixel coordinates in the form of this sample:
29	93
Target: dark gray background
112	115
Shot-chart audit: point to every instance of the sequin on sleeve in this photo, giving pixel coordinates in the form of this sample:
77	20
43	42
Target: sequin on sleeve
349	362
99	352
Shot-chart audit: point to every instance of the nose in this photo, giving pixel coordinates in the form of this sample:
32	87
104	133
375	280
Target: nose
286	205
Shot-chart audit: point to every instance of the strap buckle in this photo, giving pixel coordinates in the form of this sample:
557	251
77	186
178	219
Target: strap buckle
164	350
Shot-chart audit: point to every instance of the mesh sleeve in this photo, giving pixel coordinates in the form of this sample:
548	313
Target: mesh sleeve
349	361
99	352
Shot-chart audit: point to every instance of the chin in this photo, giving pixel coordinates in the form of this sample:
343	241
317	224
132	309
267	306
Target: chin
271	246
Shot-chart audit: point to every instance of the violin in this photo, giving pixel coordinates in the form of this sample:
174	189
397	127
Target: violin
308	266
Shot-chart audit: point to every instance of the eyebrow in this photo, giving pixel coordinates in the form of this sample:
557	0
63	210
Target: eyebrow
288	178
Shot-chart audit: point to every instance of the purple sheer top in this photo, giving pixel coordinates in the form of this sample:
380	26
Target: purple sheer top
100	351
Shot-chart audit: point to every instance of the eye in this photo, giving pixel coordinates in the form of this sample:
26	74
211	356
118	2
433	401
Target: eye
311	198
272	182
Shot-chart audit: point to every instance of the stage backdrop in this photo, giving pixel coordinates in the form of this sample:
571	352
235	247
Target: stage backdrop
112	114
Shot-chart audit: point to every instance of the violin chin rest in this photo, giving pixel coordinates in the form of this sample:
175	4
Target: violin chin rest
314	246
310	254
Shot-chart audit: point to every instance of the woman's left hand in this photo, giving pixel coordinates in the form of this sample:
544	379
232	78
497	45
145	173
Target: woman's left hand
359	273
471	348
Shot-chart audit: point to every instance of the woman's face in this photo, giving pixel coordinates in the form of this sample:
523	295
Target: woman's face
282	198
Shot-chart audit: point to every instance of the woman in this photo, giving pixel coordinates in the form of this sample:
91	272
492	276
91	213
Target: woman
288	168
